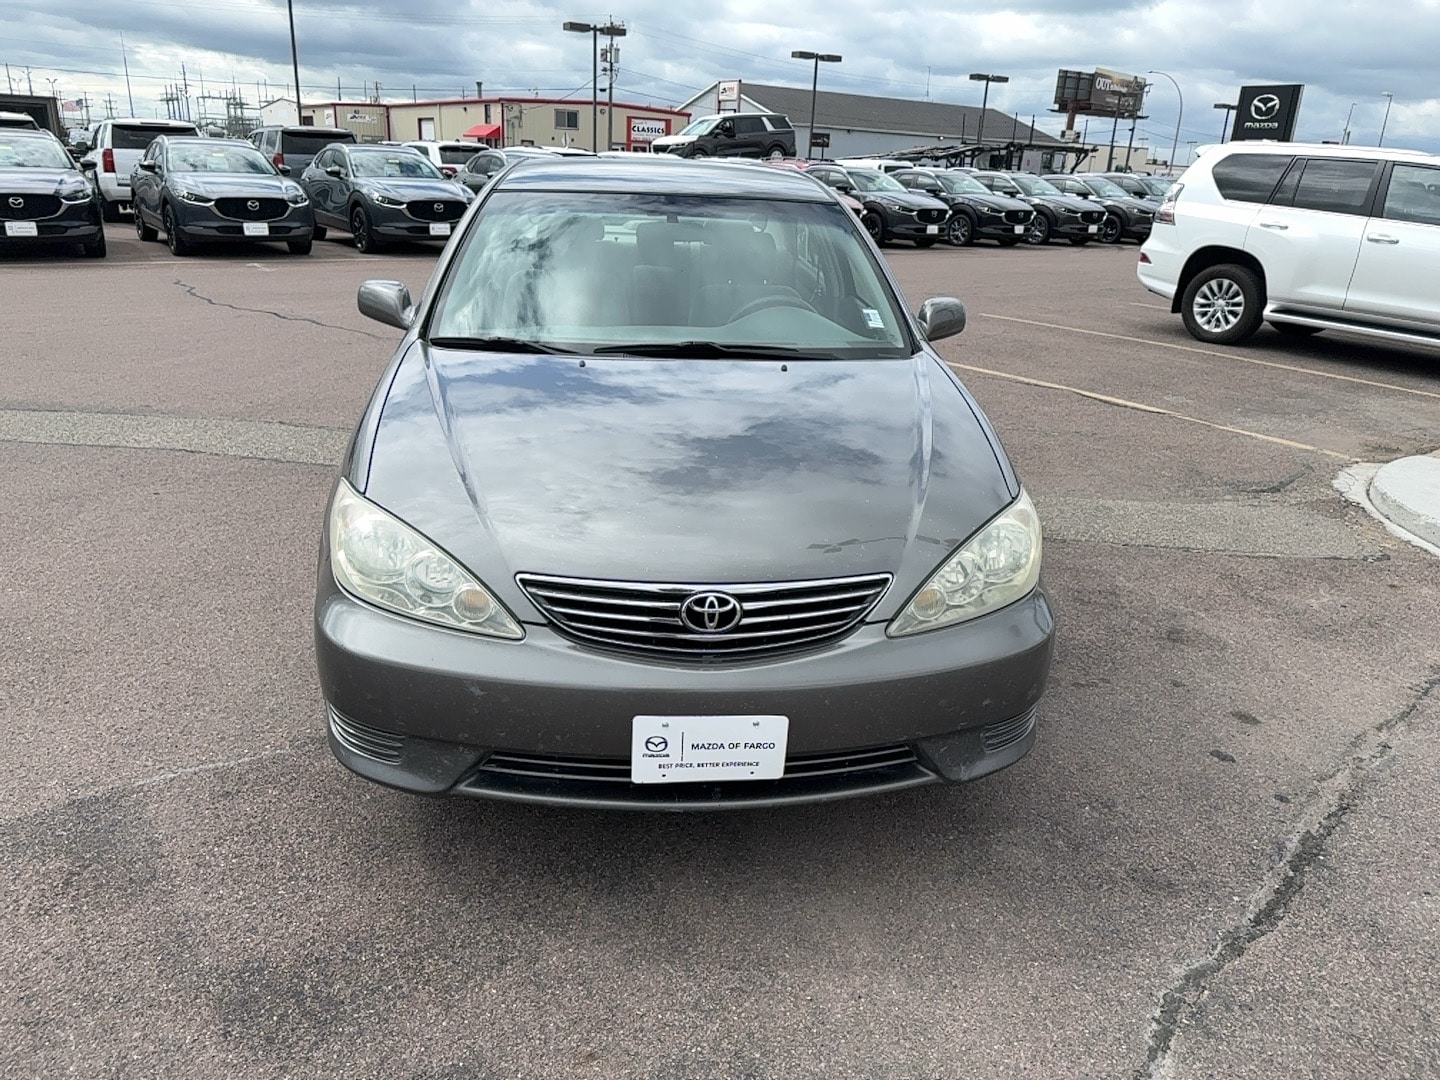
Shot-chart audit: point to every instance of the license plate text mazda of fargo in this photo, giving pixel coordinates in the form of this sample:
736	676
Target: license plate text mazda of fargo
666	501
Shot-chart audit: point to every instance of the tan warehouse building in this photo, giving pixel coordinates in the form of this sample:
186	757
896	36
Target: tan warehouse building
500	121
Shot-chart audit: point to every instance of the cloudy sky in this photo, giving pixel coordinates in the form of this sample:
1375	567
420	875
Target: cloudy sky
1345	52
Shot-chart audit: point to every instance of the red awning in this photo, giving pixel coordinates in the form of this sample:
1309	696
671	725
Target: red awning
483	131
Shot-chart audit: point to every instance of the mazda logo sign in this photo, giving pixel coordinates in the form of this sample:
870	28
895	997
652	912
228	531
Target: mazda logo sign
710	612
16	201
439	207
253	204
657	744
1265	107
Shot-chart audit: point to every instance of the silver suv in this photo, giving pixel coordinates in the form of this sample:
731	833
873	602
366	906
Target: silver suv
1304	237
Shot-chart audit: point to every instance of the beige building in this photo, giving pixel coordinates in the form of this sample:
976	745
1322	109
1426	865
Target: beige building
501	121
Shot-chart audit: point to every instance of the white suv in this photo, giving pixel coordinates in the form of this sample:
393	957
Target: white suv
119	143
1304	237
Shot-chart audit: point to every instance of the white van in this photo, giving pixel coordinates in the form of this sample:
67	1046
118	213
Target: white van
117	147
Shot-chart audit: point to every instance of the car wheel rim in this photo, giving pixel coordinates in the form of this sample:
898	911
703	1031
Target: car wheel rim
960	230
1111	232
872	225
1219	305
776	155
357	226
1039	232
168	220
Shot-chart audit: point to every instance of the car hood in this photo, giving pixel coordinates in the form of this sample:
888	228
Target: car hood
411	189
232	185
673	140
999	202
706	471
1073	203
37	181
911	200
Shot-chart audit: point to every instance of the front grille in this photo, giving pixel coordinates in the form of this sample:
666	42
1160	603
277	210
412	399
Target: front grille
252	209
931	217
377	745
1018	217
645	618
30	207
1008	732
435	209
617	770
1092	217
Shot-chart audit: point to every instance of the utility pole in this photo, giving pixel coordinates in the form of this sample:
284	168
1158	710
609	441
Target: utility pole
30	86
611	56
126	61
9	82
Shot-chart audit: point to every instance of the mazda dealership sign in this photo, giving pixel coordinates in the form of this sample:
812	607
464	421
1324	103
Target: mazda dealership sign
1267	112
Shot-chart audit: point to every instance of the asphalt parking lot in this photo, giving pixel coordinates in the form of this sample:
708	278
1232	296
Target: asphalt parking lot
1217	862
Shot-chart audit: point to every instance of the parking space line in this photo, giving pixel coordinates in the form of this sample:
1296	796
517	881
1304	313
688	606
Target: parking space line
1156	409
1223	355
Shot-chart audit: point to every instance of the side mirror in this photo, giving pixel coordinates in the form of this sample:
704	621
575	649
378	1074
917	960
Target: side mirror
844	189
389	302
145	166
941	317
334	170
87	166
284	169
727	129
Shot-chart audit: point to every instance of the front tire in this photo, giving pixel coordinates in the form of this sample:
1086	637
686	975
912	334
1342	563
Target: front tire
775	153
1039	234
319	232
960	231
299	247
109	211
365	240
874	225
1079	241
1110	230
94	249
177	244
1223	305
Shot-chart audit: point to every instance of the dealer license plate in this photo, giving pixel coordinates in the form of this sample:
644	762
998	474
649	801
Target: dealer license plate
439	228
1019	228
1093	228
21	228
681	749
932	229
256	228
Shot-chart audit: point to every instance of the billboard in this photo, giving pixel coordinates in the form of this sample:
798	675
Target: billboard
1267	112
642	130
1101	92
727	91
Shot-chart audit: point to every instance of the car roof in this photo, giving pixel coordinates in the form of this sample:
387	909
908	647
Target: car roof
641	173
207	140
307	129
1265	146
29	133
147	121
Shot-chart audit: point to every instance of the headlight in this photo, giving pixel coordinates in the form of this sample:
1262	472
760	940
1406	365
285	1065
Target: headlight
991	210
377	557
296	197
195	197
999	565
77	191
386	200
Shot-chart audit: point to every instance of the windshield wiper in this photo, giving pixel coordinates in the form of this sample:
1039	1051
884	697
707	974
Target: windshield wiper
685	350
498	344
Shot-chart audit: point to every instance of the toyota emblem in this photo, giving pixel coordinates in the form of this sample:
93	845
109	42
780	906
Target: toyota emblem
1265	107
253	204
17	201
711	612
439	207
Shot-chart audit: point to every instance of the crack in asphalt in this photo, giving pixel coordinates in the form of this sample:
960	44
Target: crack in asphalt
193	291
1282	885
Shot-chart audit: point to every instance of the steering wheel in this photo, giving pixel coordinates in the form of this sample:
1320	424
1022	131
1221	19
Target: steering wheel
771	300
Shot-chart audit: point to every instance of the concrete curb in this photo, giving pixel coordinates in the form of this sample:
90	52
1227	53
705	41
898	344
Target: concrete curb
1403	497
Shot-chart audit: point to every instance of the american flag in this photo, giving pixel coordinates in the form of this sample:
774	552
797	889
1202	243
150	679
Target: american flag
77	104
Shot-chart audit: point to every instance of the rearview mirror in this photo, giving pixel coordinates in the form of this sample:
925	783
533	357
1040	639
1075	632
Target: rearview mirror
387	302
941	317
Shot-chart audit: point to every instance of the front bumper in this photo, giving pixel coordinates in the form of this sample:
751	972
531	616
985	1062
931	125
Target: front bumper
546	720
902	226
393	223
75	223
202	223
989	227
1068	225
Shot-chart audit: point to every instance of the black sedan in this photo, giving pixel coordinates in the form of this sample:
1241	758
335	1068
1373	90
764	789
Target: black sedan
891	211
665	500
976	212
381	194
197	190
1056	214
44	198
1126	217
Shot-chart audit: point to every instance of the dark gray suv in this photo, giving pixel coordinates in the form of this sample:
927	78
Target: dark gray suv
758	135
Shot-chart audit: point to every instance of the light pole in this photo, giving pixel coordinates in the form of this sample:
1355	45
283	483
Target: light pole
1175	143
612	59
985	98
819	58
1345	135
295	61
1389	100
595	30
1228	110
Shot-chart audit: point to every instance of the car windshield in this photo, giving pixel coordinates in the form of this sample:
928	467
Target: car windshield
660	273
960	184
874	180
1033	185
406	165
699	127
32	154
217	158
1100	186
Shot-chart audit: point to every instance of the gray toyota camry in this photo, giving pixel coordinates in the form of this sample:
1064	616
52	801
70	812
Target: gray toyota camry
665	501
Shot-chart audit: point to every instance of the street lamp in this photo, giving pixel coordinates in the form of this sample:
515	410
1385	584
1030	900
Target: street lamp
1228	110
1345	135
1175	143
985	98
595	30
295	60
1389	100
819	58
